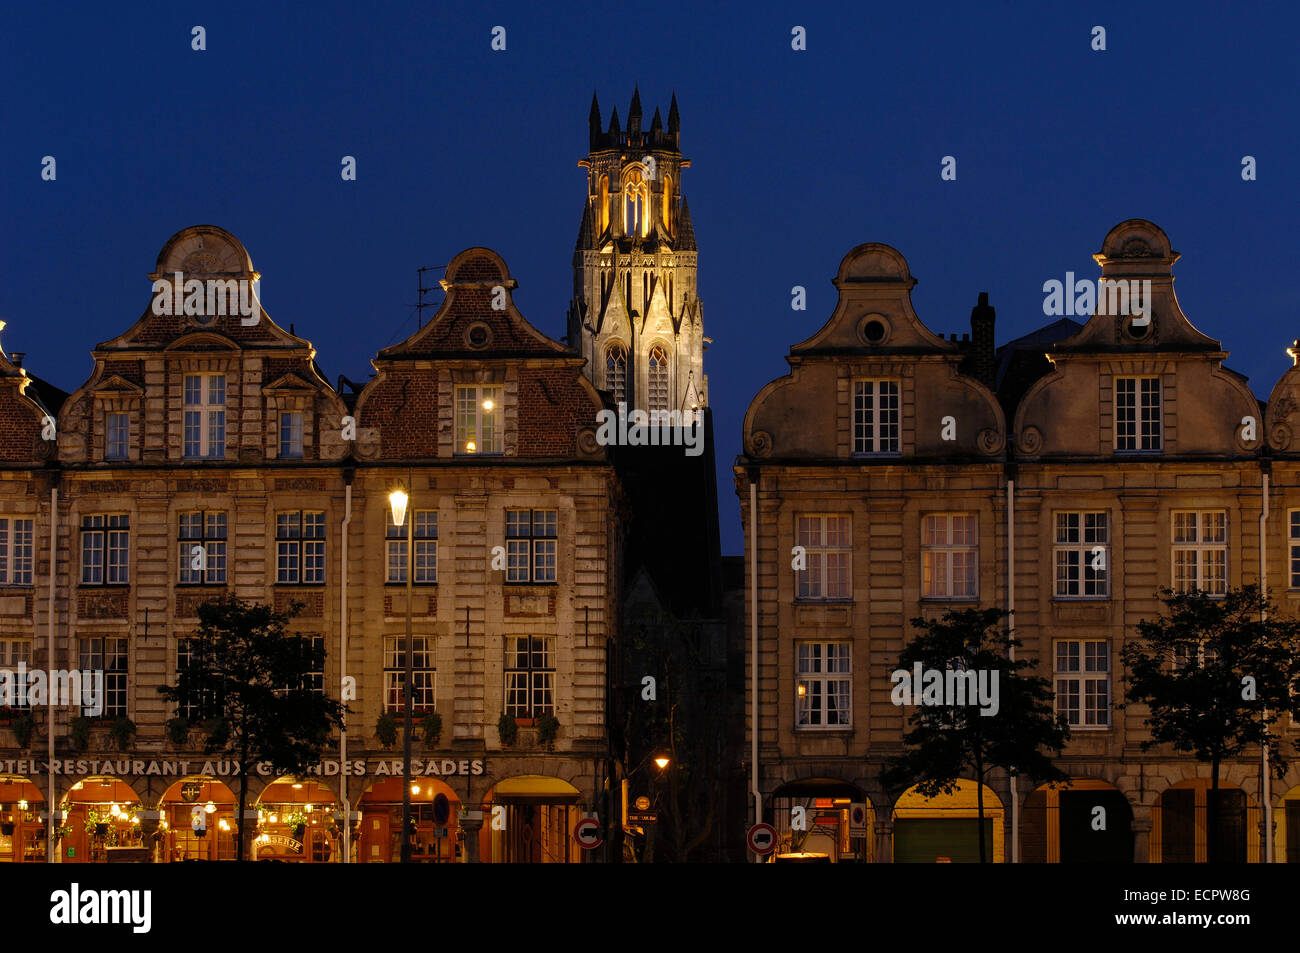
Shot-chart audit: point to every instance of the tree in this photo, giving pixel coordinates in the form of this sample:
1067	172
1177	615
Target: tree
948	738
1215	674
247	681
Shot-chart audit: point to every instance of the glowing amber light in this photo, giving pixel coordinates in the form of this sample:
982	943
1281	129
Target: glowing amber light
397	500
471	447
489	404
210	808
803	690
662	761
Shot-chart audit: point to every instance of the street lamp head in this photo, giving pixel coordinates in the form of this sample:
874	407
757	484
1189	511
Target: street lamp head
398	500
661	761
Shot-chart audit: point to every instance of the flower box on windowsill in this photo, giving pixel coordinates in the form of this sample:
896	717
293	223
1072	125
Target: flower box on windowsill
525	722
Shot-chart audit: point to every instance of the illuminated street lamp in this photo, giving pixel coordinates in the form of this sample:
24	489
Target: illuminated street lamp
398	500
661	761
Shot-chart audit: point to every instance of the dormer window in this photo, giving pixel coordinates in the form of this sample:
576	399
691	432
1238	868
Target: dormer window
117	442
1138	425
876	417
205	416
291	435
478	420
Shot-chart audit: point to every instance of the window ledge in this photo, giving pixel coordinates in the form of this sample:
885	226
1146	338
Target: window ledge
823	730
812	601
402	585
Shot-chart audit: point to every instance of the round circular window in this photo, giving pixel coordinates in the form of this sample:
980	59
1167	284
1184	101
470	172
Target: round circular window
1138	327
478	335
873	329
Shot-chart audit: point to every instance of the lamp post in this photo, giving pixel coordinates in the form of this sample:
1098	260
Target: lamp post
661	761
398	500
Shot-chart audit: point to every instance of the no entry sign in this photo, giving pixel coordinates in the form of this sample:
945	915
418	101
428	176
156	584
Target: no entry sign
587	833
762	839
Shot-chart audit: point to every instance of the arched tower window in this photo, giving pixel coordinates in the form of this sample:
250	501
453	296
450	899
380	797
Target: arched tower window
602	208
635	204
616	372
668	203
658	381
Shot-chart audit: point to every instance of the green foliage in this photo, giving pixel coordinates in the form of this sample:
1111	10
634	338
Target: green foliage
248	680
949	742
24	727
508	730
1215	678
548	728
386	729
79	732
432	728
122	732
178	730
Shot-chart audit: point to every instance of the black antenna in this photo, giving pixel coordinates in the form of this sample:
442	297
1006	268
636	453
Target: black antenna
421	291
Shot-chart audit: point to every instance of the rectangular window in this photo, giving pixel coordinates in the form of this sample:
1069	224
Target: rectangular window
530	676
201	546
530	545
16	537
14	652
823	686
1200	551
426	548
1082	555
422	674
478	419
107	655
949	556
1295	549
205	416
105	550
118	436
291	436
875	416
1083	682
828	547
313	663
1137	414
186	655
300	547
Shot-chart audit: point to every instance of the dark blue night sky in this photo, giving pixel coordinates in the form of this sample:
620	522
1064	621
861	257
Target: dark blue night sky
796	158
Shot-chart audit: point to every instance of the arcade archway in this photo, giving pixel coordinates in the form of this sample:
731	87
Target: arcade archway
22	823
1090	821
945	828
296	822
102	818
197	821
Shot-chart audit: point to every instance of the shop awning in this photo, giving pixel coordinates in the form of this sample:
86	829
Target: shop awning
536	789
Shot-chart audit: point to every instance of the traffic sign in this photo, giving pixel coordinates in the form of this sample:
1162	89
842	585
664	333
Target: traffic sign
587	833
642	817
761	839
857	820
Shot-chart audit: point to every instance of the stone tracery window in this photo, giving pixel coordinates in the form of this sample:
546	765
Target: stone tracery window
658	380
616	371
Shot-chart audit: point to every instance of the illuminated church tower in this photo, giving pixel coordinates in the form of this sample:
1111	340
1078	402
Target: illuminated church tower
635	313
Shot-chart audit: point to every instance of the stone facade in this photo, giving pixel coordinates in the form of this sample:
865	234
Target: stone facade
909	498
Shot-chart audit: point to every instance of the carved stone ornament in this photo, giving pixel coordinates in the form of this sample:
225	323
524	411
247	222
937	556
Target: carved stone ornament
760	443
990	441
587	442
1279	436
1030	441
1136	248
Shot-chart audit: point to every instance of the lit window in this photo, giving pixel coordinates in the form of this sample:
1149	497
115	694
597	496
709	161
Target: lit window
15	652
635	202
300	547
478	420
423	673
823	686
16	537
205	416
828	548
616	372
1200	551
1082	556
875	416
949	556
1083	682
118	436
530	676
201	546
658	380
530	545
105	550
1137	414
291	436
426	547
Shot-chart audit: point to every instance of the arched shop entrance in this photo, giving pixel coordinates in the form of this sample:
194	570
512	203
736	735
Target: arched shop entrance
827	826
435	812
198	821
945	828
22	821
1180	818
1286	819
1064	824
534	824
296	822
102	820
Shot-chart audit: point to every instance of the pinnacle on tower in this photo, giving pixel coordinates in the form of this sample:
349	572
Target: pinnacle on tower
634	113
656	124
674	121
593	121
614	128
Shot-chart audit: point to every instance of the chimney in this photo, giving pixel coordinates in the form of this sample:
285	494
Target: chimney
981	326
18	358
